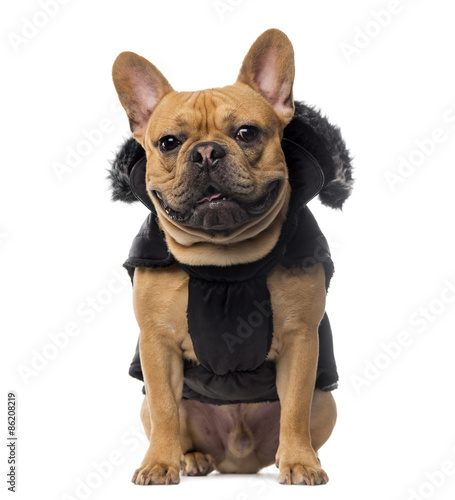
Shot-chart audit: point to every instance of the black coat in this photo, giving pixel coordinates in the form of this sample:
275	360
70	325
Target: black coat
230	318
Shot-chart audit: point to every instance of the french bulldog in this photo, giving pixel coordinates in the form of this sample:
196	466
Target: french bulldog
217	178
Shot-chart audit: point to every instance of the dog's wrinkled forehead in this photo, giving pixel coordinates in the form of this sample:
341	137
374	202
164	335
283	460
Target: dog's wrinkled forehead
211	112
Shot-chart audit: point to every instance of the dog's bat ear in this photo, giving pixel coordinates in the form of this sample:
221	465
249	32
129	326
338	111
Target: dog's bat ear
140	87
269	69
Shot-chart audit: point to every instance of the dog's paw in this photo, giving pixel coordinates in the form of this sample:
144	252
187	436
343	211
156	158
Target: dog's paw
198	464
305	469
302	474
156	474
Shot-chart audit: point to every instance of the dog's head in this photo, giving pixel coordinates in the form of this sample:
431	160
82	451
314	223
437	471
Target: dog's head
216	172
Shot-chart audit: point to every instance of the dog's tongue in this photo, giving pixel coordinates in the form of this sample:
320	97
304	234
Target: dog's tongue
209	198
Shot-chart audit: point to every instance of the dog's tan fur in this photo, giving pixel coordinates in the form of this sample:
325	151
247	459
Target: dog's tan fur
262	95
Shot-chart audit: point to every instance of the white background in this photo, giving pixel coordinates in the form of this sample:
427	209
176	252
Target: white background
62	240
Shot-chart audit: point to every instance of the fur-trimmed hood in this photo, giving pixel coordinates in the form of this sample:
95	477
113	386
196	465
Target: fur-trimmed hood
308	128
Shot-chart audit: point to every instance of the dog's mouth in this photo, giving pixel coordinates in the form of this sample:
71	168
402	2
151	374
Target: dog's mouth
218	211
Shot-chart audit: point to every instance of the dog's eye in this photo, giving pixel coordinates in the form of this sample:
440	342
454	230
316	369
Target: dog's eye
246	133
168	143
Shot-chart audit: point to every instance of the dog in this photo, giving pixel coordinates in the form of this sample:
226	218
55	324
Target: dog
228	294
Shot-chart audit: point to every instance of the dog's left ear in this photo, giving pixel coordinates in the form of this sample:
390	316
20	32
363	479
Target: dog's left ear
269	69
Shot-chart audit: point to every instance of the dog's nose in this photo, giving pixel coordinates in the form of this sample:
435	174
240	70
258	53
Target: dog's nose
207	154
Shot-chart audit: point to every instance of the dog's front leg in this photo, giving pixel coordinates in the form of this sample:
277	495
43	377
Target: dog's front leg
157	306
163	377
296	364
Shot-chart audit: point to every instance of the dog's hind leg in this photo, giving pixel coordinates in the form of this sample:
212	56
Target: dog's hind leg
145	418
323	418
197	463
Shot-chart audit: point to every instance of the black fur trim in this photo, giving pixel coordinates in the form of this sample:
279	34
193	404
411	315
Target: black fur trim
316	134
119	173
308	128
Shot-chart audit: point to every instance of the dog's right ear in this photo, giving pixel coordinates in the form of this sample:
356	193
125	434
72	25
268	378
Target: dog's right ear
140	87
